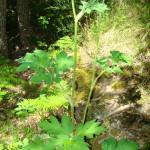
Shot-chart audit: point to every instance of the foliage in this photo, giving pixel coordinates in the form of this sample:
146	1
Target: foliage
53	17
93	5
1	146
42	45
3	60
146	146
40	104
8	81
8	77
2	94
46	69
16	145
65	135
111	64
123	144
64	43
43	21
56	17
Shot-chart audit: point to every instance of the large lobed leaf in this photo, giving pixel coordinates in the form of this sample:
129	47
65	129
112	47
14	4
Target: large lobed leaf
42	77
55	128
89	129
45	69
117	57
112	63
65	136
93	5
109	144
123	144
35	61
63	62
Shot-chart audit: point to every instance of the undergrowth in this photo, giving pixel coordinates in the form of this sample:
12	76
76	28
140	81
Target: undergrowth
41	104
9	81
49	68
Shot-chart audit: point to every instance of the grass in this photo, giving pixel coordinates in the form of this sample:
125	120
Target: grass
125	28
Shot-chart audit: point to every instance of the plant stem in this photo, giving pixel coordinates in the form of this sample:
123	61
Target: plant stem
75	60
93	81
74	69
73	9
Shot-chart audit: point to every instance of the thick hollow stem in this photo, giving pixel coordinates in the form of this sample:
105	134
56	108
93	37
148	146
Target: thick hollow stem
75	61
73	8
74	69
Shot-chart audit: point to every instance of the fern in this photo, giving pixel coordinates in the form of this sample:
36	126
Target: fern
41	104
65	43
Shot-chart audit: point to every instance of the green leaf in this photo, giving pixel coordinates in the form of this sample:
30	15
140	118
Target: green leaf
61	140
43	58
117	56
53	127
65	136
78	143
93	5
111	63
36	60
109	144
124	144
63	62
40	144
26	63
89	129
67	124
42	77
45	69
103	62
116	69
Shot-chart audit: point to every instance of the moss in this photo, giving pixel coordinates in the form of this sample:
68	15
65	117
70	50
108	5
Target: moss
144	96
128	72
83	82
97	90
118	85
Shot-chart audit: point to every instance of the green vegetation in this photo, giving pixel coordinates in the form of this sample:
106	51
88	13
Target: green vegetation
74	75
41	104
123	144
65	135
47	70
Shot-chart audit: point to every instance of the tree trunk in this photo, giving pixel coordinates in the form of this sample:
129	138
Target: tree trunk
3	36
24	22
